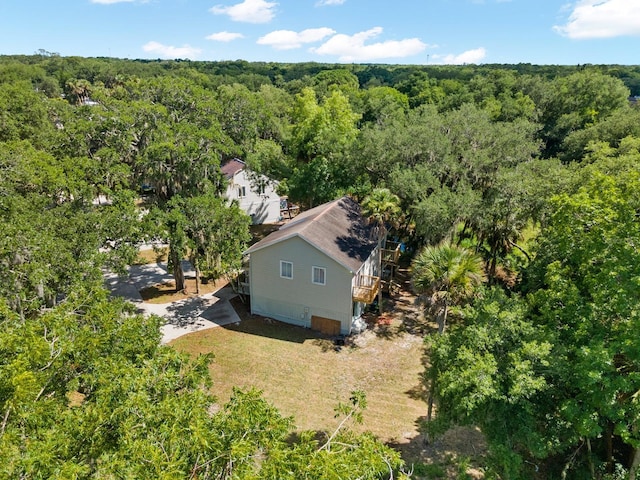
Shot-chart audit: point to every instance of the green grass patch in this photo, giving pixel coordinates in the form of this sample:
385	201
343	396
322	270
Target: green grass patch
302	374
429	471
152	255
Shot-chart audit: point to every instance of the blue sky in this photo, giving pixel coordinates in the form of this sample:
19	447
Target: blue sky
332	31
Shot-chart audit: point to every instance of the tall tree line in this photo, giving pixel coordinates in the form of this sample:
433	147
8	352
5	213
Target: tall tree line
530	168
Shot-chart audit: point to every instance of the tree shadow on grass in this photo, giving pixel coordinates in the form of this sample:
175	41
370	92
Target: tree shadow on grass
418	392
327	344
268	327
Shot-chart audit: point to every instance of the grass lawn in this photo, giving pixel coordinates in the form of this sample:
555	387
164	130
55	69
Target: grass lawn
152	256
300	372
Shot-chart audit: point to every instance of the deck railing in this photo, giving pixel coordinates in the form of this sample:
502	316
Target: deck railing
366	288
391	253
240	283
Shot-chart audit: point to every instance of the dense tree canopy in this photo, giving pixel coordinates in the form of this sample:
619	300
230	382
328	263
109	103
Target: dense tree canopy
86	391
560	366
533	169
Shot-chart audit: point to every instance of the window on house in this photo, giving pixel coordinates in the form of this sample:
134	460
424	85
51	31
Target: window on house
286	269
319	275
242	192
261	189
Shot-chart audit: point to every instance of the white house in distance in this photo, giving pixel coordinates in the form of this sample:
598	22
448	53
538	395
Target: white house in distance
257	198
317	271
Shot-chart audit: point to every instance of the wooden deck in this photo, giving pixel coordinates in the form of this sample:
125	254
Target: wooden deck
288	210
366	289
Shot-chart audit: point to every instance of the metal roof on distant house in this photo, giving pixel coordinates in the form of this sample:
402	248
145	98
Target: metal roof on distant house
233	166
336	228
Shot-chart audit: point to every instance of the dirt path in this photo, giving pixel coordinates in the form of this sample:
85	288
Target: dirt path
403	314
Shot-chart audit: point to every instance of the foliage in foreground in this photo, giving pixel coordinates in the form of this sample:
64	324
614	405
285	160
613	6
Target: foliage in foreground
86	391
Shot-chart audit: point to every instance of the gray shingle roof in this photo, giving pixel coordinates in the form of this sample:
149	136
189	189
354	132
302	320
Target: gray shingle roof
336	228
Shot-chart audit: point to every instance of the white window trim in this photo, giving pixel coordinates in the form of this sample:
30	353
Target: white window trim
282	262
313	276
242	191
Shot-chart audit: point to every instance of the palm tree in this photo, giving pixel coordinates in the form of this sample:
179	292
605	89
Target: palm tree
446	275
79	90
380	208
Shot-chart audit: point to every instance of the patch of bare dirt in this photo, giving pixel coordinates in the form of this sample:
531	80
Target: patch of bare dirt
166	292
258	232
401	312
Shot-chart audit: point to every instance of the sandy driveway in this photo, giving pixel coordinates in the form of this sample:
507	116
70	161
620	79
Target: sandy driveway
183	316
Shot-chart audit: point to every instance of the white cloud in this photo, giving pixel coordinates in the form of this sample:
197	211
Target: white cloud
250	11
601	19
168	51
470	56
224	36
287	39
352	48
322	3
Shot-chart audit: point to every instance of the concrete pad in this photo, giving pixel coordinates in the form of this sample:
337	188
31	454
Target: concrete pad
122	287
171	332
183	316
221	313
197	314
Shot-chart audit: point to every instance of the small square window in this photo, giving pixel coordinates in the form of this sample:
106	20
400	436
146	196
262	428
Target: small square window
319	275
242	192
286	269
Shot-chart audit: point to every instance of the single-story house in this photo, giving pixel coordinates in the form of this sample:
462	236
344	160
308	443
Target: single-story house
317	271
256	194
